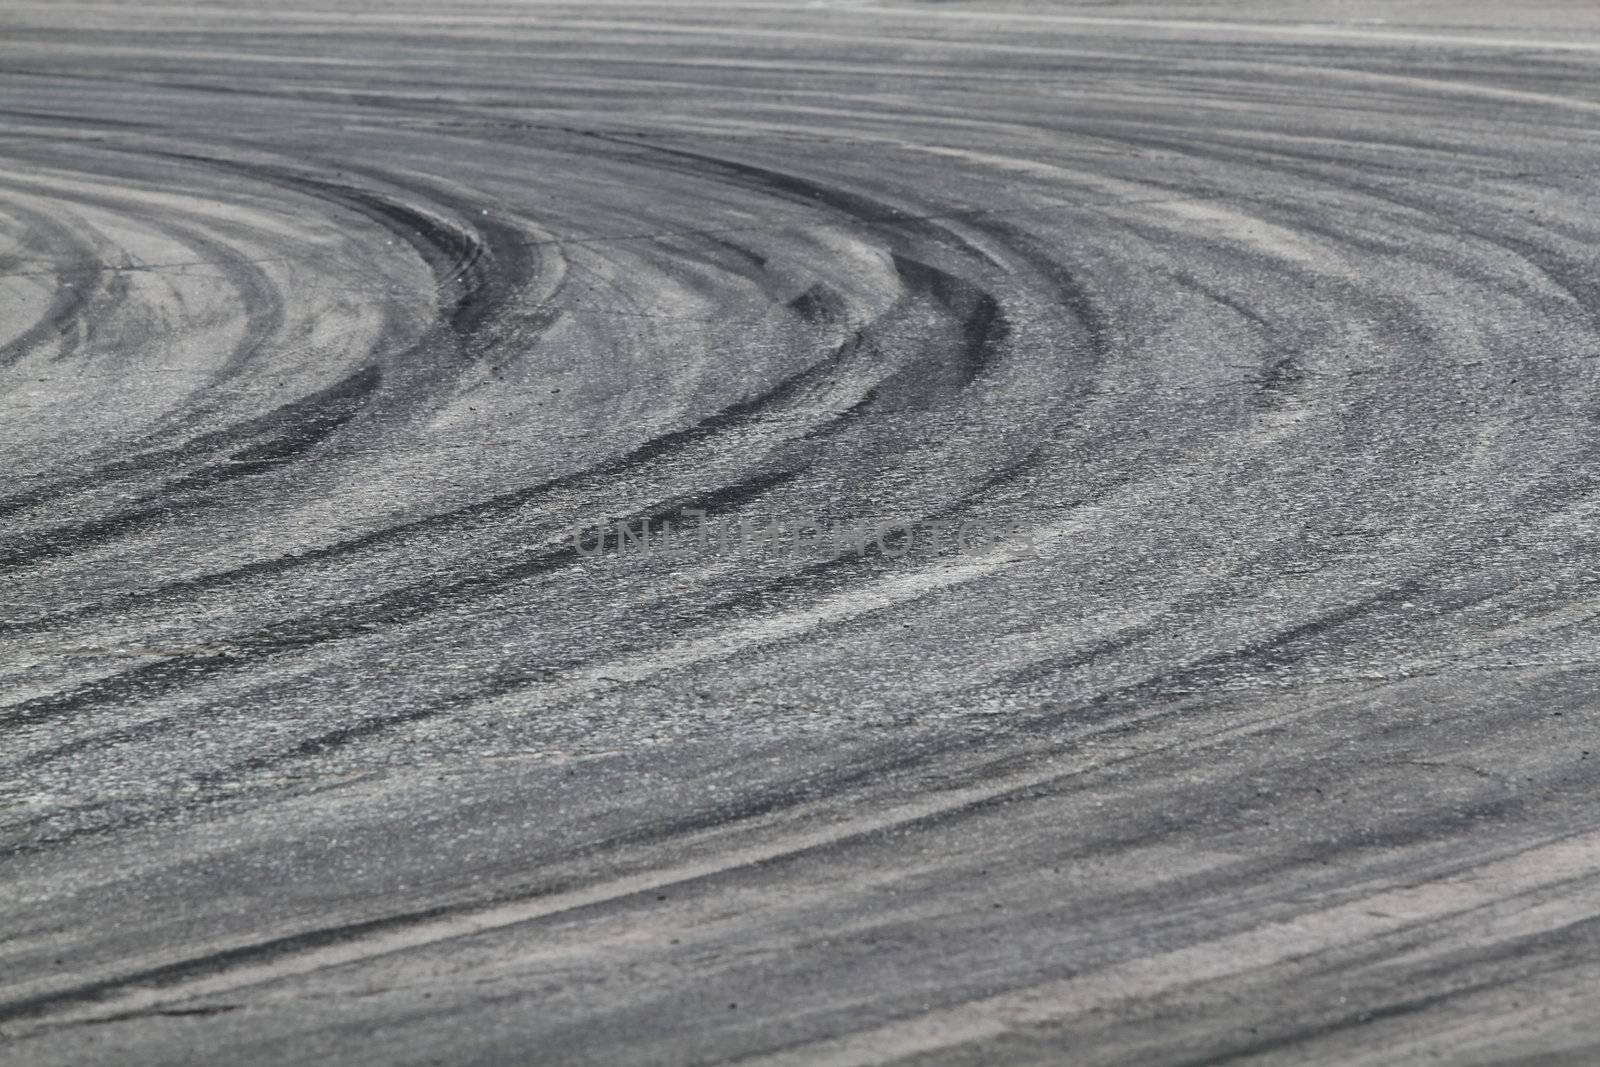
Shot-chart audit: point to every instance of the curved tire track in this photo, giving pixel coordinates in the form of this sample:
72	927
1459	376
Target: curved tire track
327	327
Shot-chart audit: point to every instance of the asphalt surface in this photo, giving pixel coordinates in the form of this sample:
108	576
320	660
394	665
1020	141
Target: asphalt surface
1251	719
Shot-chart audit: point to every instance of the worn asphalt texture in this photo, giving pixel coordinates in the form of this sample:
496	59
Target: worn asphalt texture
1256	346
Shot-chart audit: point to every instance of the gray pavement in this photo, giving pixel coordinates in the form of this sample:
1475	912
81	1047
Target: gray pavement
1121	585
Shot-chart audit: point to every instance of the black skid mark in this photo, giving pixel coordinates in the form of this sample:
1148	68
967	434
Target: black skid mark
264	443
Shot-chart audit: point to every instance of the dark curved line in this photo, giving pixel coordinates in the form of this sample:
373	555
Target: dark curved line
67	305
765	802
462	263
983	327
289	433
859	208
733	416
459	261
404	605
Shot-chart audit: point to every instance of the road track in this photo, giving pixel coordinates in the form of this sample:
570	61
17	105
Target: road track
1259	344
